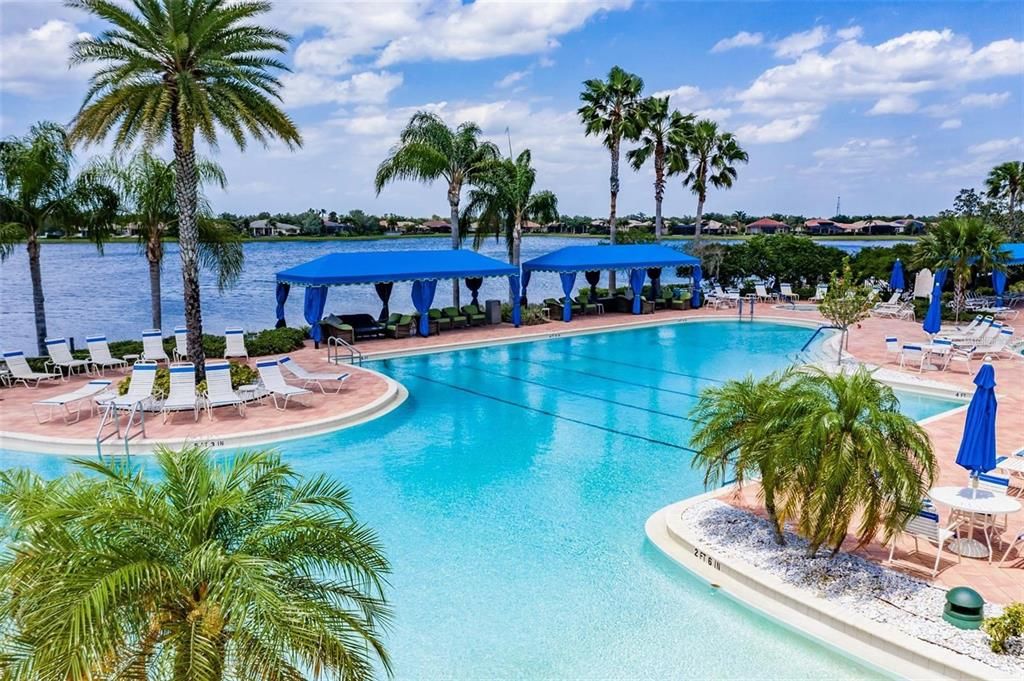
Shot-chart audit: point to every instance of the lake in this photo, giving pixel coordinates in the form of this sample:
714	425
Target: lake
89	293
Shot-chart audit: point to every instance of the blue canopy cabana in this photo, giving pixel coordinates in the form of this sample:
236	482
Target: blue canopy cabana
1015	253
638	258
422	268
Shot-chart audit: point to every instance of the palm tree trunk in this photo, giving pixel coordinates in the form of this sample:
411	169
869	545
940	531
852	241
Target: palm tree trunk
154	254
773	518
36	274
959	296
700	215
517	242
613	185
186	183
659	189
453	204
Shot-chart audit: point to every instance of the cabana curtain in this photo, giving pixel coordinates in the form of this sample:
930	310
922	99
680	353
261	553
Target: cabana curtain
316	299
636	283
422	299
383	289
695	300
999	285
568	281
282	297
593	277
517	312
474	284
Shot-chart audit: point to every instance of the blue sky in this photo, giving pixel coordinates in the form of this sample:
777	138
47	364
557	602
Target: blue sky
893	106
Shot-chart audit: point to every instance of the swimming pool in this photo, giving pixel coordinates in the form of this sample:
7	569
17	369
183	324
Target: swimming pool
510	491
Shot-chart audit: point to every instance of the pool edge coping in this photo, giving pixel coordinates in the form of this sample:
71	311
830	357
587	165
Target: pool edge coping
873	644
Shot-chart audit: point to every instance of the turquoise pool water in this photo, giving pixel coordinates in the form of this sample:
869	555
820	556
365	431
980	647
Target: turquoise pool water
511	489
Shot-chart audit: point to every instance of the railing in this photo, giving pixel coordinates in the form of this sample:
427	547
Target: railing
750	300
339	350
112	419
815	335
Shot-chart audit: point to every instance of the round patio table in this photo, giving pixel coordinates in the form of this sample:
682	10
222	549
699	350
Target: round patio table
973	501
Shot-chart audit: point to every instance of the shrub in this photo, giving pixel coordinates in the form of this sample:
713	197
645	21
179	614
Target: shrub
531	315
1004	627
274	341
241	374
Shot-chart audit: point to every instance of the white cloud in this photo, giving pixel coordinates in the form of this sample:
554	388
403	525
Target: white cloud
717	114
370	87
545	62
741	39
685	97
778	130
893	104
850	33
985	100
797	43
860	156
1013	146
32	60
512	78
951	124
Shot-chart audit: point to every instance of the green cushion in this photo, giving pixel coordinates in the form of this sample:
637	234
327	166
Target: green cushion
434	313
393	318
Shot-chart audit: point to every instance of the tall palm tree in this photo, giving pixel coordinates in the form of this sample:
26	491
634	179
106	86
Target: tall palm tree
712	157
610	110
738	433
207	571
1006	181
861	459
504	201
662	133
958	245
429	150
39	191
146	185
182	68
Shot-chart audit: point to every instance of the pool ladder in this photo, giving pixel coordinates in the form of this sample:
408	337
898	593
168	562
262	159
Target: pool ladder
341	351
112	419
751	300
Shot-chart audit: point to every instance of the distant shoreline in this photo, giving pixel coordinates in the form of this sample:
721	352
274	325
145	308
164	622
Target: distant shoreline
399	237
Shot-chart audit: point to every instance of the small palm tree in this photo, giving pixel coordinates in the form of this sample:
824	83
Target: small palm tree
504	202
183	68
429	150
663	133
860	459
206	571
738	434
712	156
958	245
1006	181
146	186
39	191
611	111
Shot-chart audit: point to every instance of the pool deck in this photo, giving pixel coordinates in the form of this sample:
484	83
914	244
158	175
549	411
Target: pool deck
369	394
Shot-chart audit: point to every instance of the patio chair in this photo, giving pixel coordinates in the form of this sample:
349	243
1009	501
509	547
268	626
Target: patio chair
763	295
75	397
317	378
180	344
399	326
892	348
219	392
925	525
1012	465
942	351
435	316
153	346
60	357
140	388
786	291
5	376
554	308
22	373
274	383
100	357
961	355
913	354
585	305
1019	539
234	343
474	314
334	327
458	320
182	394
972	332
820	292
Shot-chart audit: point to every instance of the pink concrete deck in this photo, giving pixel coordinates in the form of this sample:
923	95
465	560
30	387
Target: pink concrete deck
1002	583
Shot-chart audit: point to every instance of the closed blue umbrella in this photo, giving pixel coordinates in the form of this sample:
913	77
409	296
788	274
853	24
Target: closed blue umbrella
978	446
933	320
896	278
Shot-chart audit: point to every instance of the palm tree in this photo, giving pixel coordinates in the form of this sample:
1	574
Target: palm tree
39	191
504	202
610	110
662	133
429	150
146	184
1006	181
859	458
958	245
738	433
183	67
206	571
712	156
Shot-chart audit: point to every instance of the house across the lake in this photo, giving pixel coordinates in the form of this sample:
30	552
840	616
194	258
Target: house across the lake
767	226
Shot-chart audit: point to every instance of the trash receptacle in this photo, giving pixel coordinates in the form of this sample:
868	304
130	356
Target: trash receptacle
965	608
492	309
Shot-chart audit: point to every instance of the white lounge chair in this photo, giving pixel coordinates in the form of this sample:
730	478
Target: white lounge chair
274	383
963	355
219	392
942	351
180	344
786	291
892	348
153	346
60	357
925	525
317	378
234	343
972	332
820	292
913	354
99	354
182	394
763	294
74	398
21	372
1017	540
140	388
1012	466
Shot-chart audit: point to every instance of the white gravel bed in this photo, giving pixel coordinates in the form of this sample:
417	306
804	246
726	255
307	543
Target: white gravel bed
871	590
